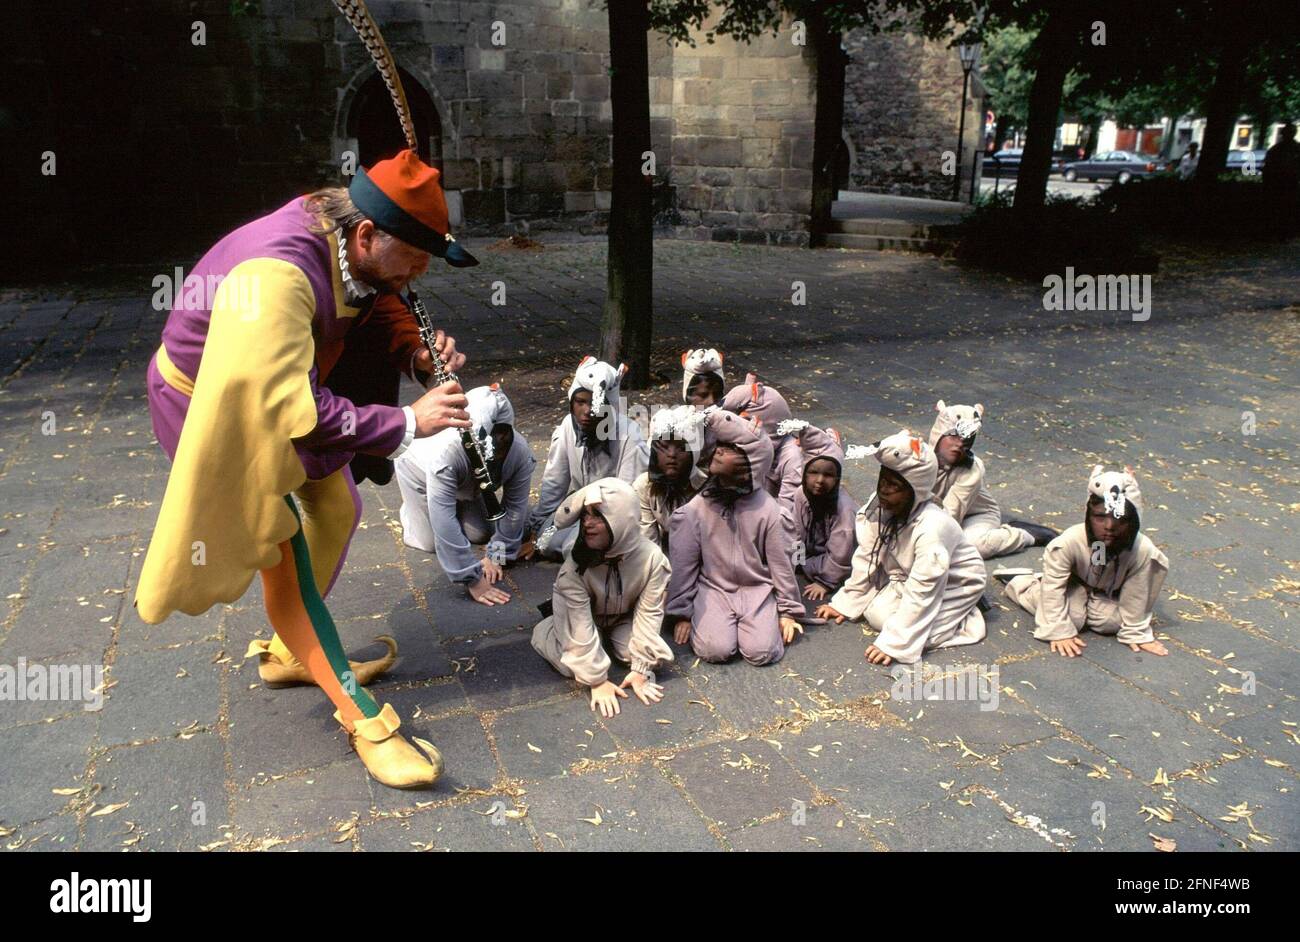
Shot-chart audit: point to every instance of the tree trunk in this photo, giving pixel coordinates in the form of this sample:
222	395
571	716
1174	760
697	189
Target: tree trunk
629	311
1094	132
1220	115
1054	52
828	126
1000	131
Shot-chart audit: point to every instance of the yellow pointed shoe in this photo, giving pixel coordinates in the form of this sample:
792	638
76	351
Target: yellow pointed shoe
388	757
279	668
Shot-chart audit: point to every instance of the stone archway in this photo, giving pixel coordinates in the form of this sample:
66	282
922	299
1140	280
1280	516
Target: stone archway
371	121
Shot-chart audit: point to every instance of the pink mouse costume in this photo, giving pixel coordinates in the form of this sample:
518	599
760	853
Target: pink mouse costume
823	531
731	572
762	402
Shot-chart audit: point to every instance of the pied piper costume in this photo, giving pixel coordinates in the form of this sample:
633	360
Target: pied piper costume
237	404
660	496
921	586
616	595
1082	586
614	449
759	401
822	528
963	491
732	575
442	511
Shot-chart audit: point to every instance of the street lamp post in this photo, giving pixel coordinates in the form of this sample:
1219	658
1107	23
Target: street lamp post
969	53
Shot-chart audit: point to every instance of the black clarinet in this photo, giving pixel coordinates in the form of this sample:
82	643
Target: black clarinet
477	460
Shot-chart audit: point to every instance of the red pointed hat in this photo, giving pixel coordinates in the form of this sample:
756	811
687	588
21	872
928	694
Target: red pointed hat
403	196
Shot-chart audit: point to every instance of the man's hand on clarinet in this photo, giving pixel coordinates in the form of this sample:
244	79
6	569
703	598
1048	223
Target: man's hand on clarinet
446	347
441	407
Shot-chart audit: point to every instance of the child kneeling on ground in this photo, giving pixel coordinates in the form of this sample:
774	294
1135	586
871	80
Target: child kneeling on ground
916	578
1101	574
611	586
733	588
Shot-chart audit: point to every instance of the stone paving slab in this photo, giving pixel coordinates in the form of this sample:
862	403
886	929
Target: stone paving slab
735	755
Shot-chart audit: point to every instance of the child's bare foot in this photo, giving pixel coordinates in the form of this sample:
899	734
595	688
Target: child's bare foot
1151	647
877	656
1069	647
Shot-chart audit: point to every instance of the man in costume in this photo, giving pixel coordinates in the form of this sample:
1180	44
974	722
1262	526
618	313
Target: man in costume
260	447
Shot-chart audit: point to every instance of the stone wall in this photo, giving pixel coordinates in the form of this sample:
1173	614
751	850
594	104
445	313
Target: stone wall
902	102
165	144
741	138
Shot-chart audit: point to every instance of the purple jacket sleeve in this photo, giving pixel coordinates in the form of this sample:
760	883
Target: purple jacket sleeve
344	426
777	550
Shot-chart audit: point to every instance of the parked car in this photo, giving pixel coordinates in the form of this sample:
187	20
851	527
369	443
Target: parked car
1006	163
1245	162
1118	165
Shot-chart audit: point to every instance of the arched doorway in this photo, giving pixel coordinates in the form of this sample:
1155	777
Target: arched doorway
372	121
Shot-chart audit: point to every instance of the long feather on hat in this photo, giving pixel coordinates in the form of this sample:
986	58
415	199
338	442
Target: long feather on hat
359	16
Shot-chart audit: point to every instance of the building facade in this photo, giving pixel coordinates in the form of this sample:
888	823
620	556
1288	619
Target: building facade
185	117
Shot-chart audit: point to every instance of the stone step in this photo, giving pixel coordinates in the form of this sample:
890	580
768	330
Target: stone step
893	228
851	240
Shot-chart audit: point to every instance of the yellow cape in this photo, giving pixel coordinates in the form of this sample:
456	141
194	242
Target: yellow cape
223	515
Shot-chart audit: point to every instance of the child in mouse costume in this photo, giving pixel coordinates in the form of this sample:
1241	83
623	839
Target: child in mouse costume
1102	575
916	579
733	588
595	441
821	518
676	440
962	490
442	511
611	588
702	378
762	402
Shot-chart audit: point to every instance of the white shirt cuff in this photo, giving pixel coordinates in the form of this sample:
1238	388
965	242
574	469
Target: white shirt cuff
410	433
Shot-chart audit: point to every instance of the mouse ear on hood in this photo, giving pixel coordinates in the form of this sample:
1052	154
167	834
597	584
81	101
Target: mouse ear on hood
939	406
1115	488
979	409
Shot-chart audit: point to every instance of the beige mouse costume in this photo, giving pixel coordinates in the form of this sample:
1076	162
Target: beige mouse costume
962	491
619	594
920	588
1080	587
575	459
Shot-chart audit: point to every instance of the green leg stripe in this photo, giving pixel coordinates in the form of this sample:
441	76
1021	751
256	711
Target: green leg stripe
323	623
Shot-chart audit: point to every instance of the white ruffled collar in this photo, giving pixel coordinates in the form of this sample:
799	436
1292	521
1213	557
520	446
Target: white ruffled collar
354	291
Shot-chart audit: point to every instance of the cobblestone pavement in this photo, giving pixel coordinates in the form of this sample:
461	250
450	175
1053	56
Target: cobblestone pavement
1199	747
